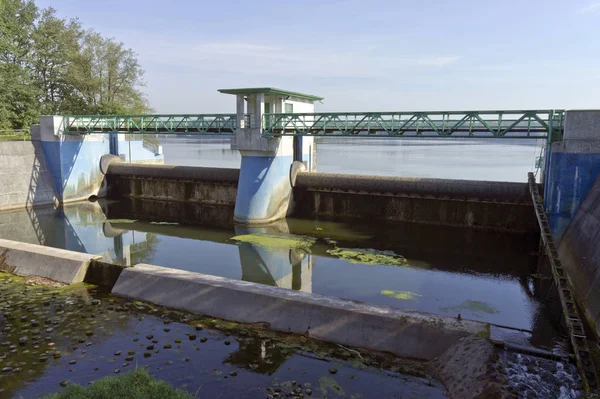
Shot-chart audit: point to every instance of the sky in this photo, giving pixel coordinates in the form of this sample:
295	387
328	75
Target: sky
361	55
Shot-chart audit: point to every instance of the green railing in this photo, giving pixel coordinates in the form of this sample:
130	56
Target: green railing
15	135
214	124
499	124
539	124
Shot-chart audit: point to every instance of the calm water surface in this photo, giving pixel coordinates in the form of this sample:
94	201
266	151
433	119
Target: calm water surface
473	159
449	271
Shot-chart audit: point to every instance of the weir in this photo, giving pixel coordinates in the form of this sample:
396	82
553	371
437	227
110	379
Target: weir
77	158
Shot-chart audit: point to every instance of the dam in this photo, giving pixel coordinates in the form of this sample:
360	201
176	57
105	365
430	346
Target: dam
466	250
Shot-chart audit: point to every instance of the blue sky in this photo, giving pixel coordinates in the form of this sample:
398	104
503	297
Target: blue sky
365	55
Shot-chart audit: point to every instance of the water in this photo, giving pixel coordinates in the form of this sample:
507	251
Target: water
76	336
472	159
449	271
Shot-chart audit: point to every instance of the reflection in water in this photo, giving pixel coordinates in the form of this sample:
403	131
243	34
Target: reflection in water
483	276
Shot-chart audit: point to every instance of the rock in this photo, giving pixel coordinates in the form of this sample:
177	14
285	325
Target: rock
117	353
166	329
150	347
192	337
23	318
64	383
199	327
57	355
203	339
116	371
89	333
131	353
177	341
23	340
167	346
72	361
42	359
129	358
169	362
332	371
471	369
35	323
233	373
95	302
308	391
227	342
186	359
7	369
149	336
147	354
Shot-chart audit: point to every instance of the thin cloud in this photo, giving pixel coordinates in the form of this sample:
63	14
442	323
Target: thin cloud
592	8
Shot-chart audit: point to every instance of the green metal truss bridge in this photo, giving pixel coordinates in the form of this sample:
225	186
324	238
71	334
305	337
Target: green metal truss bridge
531	124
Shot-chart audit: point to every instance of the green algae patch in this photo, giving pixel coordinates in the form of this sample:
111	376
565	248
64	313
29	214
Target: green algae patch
405	295
368	256
273	242
472	306
121	221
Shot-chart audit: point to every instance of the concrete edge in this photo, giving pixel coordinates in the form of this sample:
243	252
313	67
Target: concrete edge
404	333
60	265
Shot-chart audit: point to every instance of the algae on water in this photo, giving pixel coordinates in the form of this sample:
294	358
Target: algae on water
272	241
369	256
406	295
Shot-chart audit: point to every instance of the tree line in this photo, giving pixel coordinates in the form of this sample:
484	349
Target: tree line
52	66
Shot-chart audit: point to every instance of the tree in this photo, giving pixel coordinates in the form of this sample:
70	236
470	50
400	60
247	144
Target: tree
18	98
107	77
56	43
49	65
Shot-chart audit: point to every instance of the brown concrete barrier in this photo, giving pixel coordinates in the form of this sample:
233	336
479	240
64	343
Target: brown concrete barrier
497	206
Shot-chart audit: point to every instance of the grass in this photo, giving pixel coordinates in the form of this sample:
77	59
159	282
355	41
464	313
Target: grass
137	384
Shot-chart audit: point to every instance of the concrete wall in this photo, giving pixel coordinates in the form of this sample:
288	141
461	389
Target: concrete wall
573	167
209	186
497	206
25	179
579	251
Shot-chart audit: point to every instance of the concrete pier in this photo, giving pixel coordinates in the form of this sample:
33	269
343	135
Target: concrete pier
573	166
264	189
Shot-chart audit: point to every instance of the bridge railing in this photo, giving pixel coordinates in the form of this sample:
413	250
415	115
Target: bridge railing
499	124
213	124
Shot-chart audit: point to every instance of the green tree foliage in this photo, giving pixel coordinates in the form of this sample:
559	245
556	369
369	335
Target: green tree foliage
50	65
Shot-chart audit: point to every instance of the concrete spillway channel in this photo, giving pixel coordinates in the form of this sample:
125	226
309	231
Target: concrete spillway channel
200	195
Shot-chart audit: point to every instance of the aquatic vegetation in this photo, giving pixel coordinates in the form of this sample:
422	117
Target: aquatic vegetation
405	295
135	384
121	221
473	306
368	256
272	241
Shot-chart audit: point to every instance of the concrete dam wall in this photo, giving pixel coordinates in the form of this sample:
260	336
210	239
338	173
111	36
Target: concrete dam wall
187	190
24	176
463	203
579	251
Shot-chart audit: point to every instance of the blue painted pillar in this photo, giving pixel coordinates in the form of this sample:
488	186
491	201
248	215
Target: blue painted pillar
573	166
73	160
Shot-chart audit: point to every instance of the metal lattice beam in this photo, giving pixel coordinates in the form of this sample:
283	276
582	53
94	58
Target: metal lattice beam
216	124
497	124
